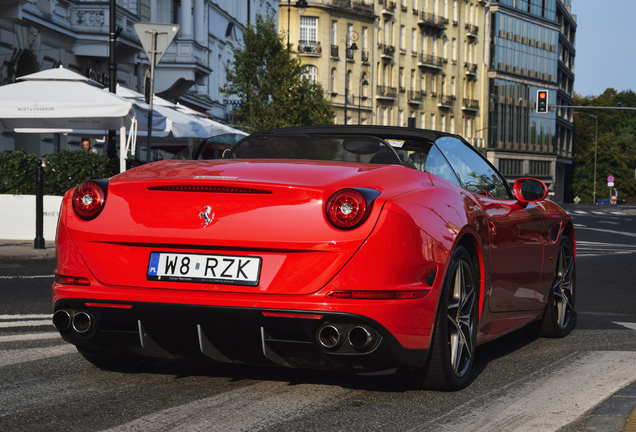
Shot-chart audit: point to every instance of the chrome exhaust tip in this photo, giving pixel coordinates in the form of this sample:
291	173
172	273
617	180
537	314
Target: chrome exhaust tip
361	337
330	336
62	319
82	322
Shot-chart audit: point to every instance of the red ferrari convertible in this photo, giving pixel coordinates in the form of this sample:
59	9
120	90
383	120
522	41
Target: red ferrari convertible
363	248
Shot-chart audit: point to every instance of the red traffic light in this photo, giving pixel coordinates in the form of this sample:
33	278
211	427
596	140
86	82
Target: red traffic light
542	101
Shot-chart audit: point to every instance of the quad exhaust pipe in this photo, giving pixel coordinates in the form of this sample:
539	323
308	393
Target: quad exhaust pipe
359	337
66	319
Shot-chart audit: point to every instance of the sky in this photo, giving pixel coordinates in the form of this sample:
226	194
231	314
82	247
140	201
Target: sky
605	46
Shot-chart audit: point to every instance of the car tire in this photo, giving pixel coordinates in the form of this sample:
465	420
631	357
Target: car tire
454	339
111	361
559	318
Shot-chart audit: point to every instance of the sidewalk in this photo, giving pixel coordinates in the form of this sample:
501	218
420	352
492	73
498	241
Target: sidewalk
23	249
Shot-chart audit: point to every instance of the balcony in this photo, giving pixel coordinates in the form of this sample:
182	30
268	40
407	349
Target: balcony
387	51
445	101
471	70
470	105
309	48
415	97
386	93
432	22
364	56
389	8
335	52
471	30
430	61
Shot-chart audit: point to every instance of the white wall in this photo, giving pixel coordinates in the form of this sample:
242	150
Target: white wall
17	216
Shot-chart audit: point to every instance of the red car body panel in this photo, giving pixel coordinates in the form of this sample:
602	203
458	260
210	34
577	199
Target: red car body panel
275	210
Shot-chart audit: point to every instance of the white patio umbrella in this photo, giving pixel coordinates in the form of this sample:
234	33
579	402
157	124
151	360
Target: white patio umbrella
60	100
182	122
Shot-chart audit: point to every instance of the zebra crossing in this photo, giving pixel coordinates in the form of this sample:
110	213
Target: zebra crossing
539	400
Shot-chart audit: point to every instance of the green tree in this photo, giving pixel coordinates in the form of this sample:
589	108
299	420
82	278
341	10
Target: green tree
615	150
268	79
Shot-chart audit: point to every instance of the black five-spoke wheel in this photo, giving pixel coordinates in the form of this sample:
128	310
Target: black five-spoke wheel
453	346
560	318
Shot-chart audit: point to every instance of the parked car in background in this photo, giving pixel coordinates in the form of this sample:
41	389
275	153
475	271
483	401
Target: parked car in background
364	248
211	148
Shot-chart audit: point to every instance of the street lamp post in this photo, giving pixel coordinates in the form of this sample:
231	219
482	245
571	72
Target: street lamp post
301	5
595	148
363	83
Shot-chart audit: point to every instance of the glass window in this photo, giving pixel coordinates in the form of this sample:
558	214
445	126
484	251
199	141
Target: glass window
475	173
437	164
308	29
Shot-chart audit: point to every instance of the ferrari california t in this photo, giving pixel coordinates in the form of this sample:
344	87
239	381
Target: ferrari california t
361	248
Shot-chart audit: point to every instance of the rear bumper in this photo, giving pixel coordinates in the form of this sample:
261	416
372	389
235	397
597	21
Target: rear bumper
290	338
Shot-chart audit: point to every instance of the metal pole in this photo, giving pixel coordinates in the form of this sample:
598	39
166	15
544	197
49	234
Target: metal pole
346	96
111	150
153	58
595	148
38	243
288	22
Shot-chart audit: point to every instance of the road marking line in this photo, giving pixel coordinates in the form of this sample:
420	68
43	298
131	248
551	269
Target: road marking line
30	337
25	316
27	277
629	325
561	392
254	407
11	324
12	357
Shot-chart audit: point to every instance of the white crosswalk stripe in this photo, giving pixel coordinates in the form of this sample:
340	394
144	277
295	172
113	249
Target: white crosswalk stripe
561	393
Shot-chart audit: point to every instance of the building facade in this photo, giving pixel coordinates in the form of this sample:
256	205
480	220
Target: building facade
37	35
531	48
415	62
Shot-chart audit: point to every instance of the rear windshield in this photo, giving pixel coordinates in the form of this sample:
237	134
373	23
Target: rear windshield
364	149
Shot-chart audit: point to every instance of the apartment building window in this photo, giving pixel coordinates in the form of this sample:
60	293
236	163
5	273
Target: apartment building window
434	46
412	84
511	167
402	39
365	35
442	123
414	41
333	81
432	118
401	79
385	120
455	11
310	72
445	8
435	11
452	125
423	120
454	50
445	48
350	35
401	118
334	35
453	90
423	82
308	29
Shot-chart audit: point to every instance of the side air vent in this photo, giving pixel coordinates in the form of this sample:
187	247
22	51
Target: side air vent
209	188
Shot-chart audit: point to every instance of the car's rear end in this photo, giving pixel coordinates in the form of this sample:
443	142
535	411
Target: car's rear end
294	263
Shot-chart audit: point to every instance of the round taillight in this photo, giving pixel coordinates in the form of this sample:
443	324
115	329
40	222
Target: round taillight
88	200
346	209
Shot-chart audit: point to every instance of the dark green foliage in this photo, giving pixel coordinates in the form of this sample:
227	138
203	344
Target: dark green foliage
62	171
268	79
616	149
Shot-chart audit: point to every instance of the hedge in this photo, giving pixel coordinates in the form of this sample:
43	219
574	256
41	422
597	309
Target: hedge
62	171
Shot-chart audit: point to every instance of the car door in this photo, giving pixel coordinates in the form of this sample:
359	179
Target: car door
516	231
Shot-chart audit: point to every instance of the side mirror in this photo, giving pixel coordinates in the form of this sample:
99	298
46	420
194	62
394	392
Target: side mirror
529	190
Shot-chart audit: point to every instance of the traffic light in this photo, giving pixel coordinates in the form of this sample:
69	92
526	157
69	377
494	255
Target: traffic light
542	101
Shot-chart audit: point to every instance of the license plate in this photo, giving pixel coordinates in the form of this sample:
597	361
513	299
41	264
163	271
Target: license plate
204	268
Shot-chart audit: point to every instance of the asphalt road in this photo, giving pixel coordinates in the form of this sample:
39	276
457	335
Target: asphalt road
520	382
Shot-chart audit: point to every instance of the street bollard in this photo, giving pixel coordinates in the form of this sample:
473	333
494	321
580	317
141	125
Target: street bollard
38	243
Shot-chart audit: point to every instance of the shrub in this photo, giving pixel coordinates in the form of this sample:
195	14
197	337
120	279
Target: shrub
62	171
